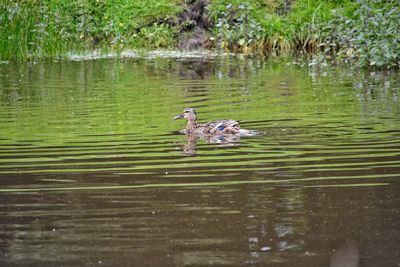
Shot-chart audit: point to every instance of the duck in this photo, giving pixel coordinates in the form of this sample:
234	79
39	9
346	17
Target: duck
212	128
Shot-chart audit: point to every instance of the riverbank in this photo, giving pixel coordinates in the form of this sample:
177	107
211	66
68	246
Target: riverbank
365	33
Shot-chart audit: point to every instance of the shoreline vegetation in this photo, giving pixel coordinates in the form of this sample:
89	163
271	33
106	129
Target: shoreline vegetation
363	33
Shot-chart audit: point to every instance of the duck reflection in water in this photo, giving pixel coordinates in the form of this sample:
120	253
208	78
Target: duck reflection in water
190	147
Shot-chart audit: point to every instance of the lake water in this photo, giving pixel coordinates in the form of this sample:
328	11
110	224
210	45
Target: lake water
94	171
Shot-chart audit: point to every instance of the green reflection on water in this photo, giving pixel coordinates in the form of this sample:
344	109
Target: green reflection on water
89	149
62	102
115	116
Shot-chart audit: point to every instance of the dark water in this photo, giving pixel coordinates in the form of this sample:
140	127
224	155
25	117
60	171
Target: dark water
93	170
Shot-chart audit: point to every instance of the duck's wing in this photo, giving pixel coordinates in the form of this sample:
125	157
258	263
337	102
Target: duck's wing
220	126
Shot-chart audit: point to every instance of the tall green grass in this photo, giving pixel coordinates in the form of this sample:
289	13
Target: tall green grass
262	26
363	31
31	29
307	18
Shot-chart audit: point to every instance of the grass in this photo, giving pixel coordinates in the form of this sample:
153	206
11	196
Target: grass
298	28
364	32
32	29
27	32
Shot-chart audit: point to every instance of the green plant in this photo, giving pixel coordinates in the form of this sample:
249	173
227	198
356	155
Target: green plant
264	25
28	30
363	32
369	37
237	29
37	29
155	36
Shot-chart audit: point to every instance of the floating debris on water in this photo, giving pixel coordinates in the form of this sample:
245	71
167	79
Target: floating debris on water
98	54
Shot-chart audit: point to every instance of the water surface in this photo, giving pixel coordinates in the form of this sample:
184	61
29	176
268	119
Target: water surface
94	171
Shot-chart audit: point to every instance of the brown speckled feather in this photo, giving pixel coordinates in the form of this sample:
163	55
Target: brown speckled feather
219	127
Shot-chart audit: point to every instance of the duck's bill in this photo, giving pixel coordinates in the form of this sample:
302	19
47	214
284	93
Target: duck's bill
180	116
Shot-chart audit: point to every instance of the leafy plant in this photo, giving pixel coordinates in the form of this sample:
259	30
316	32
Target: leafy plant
237	29
155	36
369	37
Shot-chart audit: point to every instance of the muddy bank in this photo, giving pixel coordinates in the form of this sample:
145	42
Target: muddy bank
194	26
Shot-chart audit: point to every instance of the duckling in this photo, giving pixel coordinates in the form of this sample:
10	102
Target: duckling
217	127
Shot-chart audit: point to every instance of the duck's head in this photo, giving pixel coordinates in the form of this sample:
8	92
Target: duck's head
187	113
